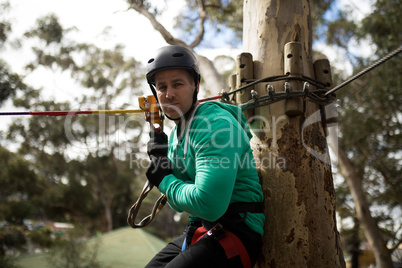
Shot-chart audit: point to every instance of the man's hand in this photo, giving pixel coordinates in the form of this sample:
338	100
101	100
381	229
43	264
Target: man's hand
158	169
158	144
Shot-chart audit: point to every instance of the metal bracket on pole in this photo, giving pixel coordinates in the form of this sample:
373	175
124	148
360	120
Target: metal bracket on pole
232	86
329	113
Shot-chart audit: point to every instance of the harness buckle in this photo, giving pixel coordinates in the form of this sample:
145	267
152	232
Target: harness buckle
217	232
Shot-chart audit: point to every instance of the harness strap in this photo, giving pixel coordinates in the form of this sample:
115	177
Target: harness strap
228	240
243	207
235	211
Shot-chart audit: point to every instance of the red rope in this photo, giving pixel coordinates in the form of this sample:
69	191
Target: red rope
211	98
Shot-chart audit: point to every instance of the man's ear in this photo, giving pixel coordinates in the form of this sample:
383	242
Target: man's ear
197	87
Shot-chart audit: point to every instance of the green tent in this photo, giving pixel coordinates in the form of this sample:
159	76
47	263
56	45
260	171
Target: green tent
124	247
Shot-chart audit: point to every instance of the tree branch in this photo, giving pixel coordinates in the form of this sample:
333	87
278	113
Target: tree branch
202	15
214	82
139	7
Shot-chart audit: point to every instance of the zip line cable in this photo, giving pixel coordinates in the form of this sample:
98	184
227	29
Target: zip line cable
366	70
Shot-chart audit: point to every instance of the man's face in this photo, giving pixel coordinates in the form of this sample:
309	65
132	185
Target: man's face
175	89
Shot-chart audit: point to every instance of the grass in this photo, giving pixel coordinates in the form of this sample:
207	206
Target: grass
124	247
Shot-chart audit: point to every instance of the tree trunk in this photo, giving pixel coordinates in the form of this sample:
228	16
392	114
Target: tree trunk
109	217
373	233
290	149
355	243
213	81
105	202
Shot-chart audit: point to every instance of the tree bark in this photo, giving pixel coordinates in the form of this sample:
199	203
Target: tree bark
373	233
291	152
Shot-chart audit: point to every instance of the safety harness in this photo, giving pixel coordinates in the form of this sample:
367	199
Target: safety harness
232	245
230	242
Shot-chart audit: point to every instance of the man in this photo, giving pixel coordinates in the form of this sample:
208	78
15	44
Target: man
208	170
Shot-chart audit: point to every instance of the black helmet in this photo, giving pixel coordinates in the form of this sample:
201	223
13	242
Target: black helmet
172	57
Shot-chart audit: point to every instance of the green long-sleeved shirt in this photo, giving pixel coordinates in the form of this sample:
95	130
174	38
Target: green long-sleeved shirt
213	165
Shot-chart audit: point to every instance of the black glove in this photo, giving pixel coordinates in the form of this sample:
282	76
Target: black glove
158	169
158	144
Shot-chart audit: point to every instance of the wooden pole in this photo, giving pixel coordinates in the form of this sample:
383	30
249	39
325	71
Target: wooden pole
300	228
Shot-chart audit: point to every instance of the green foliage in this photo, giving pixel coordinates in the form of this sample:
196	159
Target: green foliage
7	262
72	252
18	183
371	132
13	237
371	108
9	83
341	30
16	211
318	9
42	237
5	25
48	29
227	13
222	15
383	25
